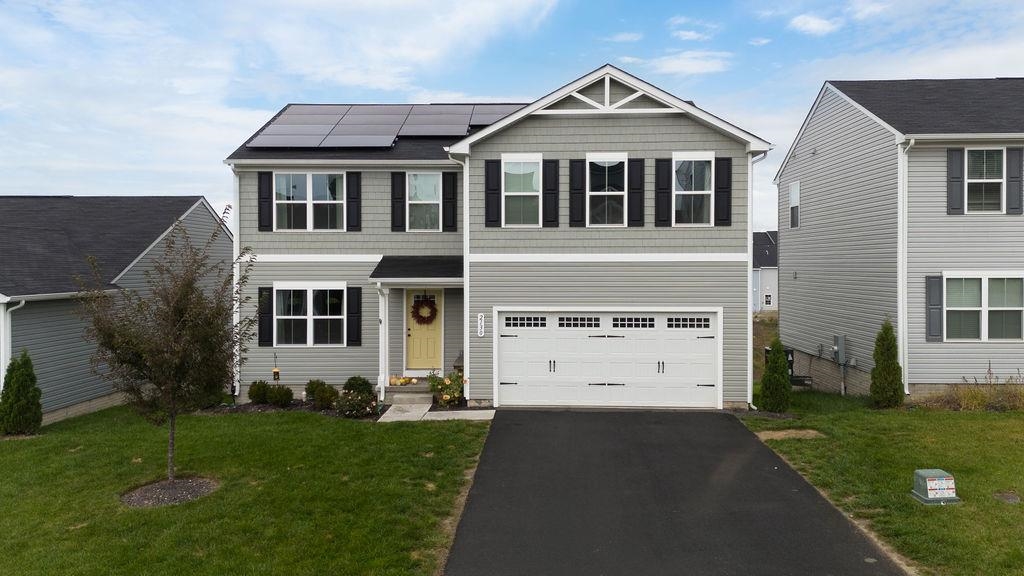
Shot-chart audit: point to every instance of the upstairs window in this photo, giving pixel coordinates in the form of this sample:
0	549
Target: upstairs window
985	178
606	189
305	201
423	196
794	205
692	187
520	186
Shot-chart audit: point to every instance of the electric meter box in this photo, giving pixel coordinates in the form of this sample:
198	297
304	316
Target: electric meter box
934	486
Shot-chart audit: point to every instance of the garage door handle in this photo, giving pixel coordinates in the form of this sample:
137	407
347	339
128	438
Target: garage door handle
597	336
705	385
616	384
705	337
614	336
510	336
508	383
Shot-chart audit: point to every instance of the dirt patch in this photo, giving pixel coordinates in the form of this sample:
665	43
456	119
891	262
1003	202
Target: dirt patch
168	492
18	437
1008	496
789	434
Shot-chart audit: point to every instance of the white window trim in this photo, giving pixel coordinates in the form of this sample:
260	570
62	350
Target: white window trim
524	157
968	181
799	218
984	309
694	156
309	200
609	157
439	202
309	287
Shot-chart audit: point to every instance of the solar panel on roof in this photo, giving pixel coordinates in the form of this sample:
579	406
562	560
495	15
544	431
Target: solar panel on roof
379	119
434	130
286	119
365	129
360	109
368	141
285	141
435	109
317	109
438	119
299	129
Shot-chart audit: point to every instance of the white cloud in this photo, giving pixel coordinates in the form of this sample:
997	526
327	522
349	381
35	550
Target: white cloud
424	95
864	9
688	63
690	35
814	25
630	60
759	41
680	21
625	37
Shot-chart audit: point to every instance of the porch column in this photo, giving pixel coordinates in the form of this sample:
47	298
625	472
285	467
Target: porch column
382	361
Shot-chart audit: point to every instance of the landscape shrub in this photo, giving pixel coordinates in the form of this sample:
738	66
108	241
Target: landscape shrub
258	391
353	404
324	397
993	394
775	385
887	375
21	411
358	384
447	390
280	396
312	386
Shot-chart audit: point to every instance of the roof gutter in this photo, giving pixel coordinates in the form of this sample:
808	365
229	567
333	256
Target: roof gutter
42	297
977	136
336	162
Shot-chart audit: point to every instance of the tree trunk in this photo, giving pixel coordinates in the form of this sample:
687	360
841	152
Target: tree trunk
170	446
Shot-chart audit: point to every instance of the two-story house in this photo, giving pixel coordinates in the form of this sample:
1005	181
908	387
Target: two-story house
591	248
902	199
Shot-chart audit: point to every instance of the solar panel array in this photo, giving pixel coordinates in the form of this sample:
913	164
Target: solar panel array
372	125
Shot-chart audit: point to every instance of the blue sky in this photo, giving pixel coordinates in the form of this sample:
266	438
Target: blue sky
148	98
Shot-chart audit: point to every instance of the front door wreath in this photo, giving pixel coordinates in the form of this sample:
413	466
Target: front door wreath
424	312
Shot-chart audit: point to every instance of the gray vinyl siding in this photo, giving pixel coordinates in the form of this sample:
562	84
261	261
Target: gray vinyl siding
553	284
54	336
453	317
571	137
844	253
200	225
376	236
300	364
939	242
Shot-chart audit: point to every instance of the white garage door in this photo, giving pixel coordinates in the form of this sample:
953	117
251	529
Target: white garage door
608	359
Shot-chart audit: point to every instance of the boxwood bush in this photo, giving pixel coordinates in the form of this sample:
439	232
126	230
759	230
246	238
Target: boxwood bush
280	396
258	392
358	384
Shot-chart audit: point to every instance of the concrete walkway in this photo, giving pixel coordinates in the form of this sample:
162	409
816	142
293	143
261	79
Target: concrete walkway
417	412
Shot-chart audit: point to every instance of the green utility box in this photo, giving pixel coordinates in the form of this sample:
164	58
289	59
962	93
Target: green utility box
934	486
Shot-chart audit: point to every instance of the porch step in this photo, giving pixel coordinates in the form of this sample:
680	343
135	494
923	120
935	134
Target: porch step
407	398
408	389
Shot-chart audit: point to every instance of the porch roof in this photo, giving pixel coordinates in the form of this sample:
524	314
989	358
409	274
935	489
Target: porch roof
412	268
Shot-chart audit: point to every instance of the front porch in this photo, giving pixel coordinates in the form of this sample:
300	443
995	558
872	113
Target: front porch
421	322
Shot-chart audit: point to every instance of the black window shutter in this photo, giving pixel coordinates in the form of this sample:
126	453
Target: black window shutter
635	195
398	201
723	191
663	192
954	181
933	312
354	201
265	316
550	199
449	201
492	193
354	317
577	193
265	199
1014	175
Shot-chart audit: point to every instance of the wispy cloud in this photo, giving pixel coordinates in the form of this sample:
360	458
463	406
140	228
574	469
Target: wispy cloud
684	63
690	35
695	30
625	37
814	25
865	9
759	41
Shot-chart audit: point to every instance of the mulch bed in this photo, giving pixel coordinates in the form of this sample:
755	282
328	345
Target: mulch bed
296	406
168	492
459	408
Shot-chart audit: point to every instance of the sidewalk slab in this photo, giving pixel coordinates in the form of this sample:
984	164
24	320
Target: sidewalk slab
405	413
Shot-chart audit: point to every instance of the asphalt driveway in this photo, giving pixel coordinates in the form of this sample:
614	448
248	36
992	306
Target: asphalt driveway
646	493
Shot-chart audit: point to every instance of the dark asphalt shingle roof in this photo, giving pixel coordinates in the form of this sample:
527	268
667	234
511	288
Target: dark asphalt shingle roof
418	267
960	106
45	240
766	249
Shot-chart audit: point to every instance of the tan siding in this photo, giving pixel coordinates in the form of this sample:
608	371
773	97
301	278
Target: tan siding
940	242
620	284
642	136
837	271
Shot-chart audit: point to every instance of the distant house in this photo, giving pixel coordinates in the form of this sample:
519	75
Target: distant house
764	280
902	199
44	245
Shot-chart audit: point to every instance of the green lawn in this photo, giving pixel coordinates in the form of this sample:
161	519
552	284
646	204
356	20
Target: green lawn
867	460
300	494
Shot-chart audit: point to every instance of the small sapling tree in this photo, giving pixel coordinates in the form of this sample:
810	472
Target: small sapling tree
887	375
775	384
21	411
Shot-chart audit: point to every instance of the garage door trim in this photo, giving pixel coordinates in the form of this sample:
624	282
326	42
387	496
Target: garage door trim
496	311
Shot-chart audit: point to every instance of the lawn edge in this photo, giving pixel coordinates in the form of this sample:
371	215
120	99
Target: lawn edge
450	524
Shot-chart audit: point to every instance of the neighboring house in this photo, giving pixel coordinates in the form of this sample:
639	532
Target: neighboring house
902	199
590	248
765	271
44	245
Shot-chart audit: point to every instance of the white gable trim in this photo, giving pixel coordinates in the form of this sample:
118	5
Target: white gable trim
814	108
754	144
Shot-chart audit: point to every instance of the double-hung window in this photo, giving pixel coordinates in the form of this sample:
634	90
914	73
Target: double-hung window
423	196
309	314
985	180
693	185
984	307
305	201
606	189
520	190
794	205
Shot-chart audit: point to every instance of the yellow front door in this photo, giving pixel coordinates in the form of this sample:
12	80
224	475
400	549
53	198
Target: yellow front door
423	341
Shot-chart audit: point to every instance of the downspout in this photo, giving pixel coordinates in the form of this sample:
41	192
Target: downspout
464	163
6	337
750	266
902	187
